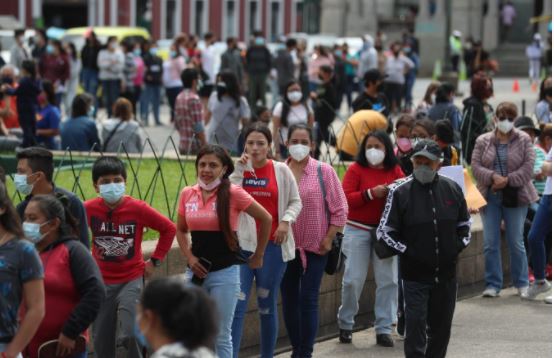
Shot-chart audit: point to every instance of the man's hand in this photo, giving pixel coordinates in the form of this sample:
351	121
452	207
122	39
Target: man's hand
65	346
149	269
281	234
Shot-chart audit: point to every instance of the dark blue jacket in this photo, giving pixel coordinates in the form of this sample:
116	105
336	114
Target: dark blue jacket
26	93
80	134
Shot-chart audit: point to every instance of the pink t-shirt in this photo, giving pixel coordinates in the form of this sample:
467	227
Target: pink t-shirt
202	216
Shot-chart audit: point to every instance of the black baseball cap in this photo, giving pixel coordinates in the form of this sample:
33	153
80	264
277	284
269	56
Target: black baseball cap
373	76
427	148
525	122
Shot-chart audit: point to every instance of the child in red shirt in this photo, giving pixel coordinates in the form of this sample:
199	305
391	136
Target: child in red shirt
117	222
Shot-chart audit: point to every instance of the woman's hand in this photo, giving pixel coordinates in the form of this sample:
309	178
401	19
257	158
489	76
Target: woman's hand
243	159
281	234
65	346
499	182
255	261
196	267
380	191
326	245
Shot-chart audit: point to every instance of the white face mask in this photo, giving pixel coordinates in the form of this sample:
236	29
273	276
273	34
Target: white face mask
299	151
374	156
505	126
294	96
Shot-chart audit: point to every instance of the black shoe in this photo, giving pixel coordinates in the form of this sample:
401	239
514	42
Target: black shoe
401	325
345	336
385	340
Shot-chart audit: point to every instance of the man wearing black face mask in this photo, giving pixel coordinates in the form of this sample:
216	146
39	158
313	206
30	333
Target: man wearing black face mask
427	223
325	98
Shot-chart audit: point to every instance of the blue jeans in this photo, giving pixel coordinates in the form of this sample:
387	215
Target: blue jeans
542	225
223	287
90	81
514	218
110	92
358	248
268	279
150	96
300	294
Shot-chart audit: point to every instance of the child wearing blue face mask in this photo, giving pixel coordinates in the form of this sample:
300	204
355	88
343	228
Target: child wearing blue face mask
117	222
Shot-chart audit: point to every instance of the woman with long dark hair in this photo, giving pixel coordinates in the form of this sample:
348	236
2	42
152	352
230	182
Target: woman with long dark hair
21	282
73	286
226	108
292	109
54	66
366	185
324	210
273	186
207	227
543	110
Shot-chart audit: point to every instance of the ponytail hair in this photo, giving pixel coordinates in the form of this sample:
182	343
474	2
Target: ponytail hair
223	193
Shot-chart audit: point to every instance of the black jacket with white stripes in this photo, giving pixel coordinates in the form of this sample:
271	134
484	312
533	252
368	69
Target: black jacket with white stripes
428	226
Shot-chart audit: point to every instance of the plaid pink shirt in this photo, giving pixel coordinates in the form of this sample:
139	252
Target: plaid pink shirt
311	225
189	114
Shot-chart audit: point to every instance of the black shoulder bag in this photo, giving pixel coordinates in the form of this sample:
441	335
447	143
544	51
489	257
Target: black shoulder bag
335	259
509	193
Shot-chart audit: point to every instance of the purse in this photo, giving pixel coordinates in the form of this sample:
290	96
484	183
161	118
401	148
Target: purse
510	194
335	257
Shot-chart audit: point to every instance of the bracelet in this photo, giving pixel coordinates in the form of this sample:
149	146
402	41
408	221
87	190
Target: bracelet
369	195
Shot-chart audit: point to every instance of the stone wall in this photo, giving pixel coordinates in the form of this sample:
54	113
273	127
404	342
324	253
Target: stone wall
471	268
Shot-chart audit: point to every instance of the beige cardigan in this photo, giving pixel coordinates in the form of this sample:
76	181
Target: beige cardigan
289	206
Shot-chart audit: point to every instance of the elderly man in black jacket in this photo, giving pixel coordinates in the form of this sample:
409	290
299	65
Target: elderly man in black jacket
427	223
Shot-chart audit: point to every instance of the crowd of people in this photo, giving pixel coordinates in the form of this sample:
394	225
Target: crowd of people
275	214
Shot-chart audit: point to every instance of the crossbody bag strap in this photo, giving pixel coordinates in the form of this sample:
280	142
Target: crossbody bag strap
110	136
323	191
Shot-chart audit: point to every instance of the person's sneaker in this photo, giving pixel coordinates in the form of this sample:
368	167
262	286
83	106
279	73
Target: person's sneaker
401	325
490	292
522	291
345	336
548	300
385	340
536	289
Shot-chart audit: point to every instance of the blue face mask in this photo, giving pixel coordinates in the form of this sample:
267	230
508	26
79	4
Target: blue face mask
32	231
172	54
153	51
112	192
50	49
90	112
259	41
136	51
20	181
141	339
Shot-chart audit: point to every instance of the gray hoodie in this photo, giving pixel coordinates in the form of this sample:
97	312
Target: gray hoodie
368	57
129	132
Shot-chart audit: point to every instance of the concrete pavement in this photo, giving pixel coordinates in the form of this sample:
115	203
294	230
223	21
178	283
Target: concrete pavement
503	327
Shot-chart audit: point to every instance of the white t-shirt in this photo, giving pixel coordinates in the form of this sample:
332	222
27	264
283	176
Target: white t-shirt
548	184
297	115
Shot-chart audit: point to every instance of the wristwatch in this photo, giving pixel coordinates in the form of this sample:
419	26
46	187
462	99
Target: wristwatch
156	262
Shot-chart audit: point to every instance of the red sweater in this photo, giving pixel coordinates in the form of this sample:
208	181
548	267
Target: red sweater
117	237
357	180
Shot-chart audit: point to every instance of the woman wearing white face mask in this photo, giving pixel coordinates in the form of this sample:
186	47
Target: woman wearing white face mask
365	185
293	109
502	163
323	214
208	217
73	286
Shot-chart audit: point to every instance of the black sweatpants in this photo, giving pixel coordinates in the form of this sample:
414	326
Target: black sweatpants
429	308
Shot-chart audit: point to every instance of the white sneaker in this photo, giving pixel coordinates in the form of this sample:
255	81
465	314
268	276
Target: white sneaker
490	292
548	300
536	289
522	291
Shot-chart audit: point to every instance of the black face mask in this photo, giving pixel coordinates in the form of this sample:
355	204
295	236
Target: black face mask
321	77
548	92
6	80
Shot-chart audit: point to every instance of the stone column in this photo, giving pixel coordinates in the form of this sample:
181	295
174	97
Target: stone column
430	30
362	22
491	27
